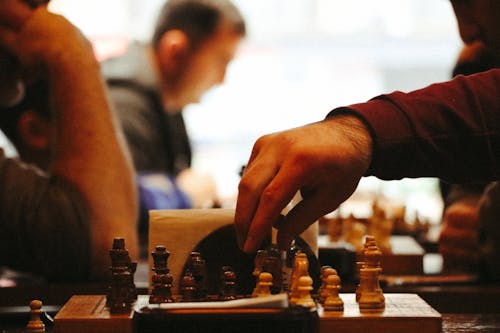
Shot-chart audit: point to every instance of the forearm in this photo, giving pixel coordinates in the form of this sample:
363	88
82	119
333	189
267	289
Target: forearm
449	130
90	154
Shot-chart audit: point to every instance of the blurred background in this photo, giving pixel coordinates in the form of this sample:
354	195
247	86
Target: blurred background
301	59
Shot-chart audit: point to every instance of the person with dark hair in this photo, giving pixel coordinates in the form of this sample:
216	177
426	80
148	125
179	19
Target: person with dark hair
59	223
449	130
193	43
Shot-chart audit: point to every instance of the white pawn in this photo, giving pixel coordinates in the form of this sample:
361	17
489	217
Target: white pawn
322	291
300	268
304	288
263	286
333	302
35	325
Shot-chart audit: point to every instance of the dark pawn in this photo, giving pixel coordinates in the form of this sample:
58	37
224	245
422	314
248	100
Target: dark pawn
188	287
162	279
273	265
197	267
228	287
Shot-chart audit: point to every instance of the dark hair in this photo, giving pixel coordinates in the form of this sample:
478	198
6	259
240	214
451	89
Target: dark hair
197	18
36	99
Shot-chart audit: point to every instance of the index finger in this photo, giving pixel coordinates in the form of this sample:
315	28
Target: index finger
274	198
256	177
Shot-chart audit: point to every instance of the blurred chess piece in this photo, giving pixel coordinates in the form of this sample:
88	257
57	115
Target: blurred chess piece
228	286
304	288
35	325
381	228
371	297
263	286
197	267
334	228
353	231
273	265
162	279
260	257
323	293
288	258
122	292
300	269
333	302
188	287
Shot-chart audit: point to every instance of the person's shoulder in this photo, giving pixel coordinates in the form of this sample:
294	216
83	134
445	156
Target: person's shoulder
127	64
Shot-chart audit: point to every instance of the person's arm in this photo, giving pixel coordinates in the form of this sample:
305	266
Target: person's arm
89	152
447	130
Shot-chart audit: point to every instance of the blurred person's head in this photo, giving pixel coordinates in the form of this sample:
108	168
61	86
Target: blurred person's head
478	21
194	41
28	125
475	58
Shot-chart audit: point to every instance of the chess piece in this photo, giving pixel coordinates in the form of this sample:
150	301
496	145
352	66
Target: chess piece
263	286
334	228
162	279
353	230
260	257
369	240
188	287
322	291
287	263
333	302
371	297
228	288
304	288
273	265
122	292
35	325
300	268
198	268
381	228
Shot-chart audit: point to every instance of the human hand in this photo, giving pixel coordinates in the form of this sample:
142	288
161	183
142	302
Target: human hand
38	40
324	160
458	242
11	87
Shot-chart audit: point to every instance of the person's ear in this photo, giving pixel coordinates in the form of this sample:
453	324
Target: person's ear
172	50
34	131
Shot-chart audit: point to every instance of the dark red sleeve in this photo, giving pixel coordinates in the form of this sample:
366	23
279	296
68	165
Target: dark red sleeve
449	130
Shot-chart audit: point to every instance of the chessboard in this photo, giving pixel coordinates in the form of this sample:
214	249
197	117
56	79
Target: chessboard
403	313
280	296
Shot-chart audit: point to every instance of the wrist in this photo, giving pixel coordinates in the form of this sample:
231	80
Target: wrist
357	134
